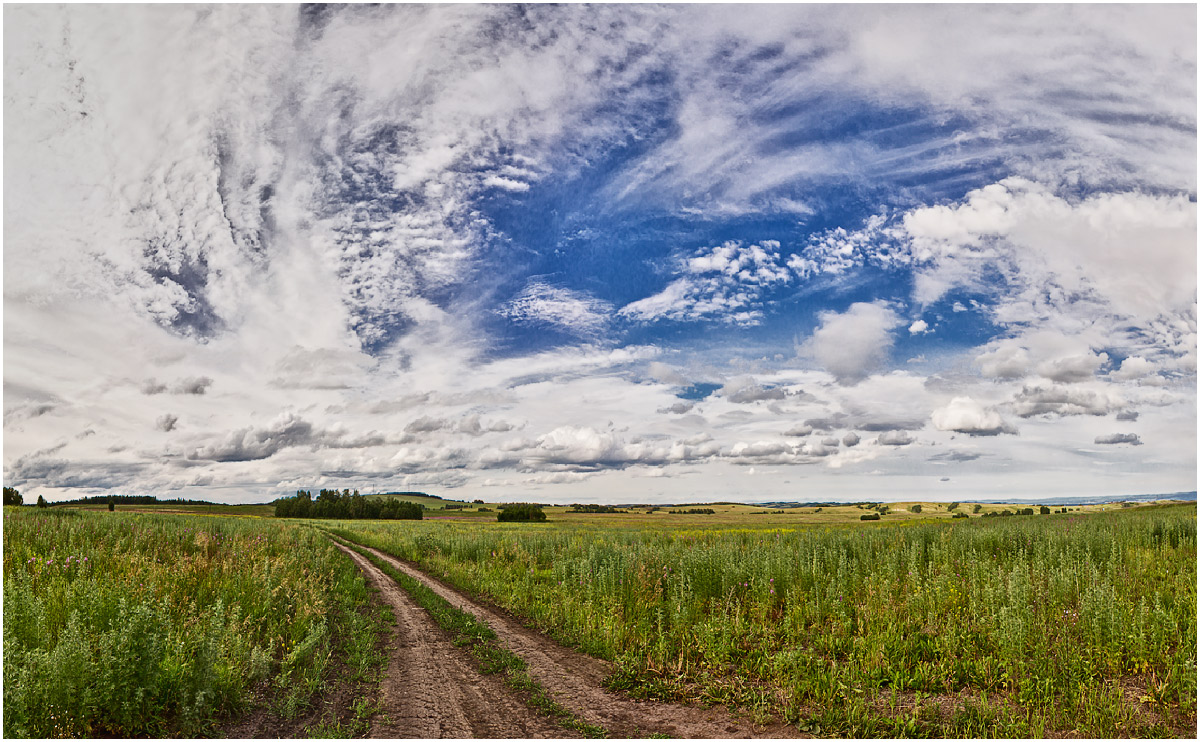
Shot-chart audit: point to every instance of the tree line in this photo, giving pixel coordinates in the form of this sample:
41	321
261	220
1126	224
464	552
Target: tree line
346	505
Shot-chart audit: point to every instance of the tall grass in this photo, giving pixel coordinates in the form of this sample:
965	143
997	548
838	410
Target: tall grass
1047	615
148	625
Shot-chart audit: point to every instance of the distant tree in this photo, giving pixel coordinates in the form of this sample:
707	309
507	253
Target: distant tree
952	506
510	513
477	502
1043	510
915	509
960	515
42	502
13	497
112	505
977	508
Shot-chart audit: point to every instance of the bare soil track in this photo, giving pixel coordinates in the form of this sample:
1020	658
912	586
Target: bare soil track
432	690
573	679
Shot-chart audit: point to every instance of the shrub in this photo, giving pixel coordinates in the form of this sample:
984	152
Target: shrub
960	515
1043	510
915	509
869	516
952	506
977	508
521	513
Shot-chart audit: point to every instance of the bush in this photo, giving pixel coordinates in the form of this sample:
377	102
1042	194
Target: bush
960	515
869	516
1043	510
521	513
977	508
952	506
915	509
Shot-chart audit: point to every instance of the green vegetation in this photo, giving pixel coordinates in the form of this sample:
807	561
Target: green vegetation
693	511
346	505
924	627
135	625
589	508
869	516
510	513
13	497
490	656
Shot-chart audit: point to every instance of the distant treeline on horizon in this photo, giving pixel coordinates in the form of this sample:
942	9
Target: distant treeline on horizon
346	505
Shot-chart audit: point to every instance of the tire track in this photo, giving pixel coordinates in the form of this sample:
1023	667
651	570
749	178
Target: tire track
575	680
432	690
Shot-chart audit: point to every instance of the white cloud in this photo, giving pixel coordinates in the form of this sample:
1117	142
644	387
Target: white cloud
920	327
1133	367
851	344
563	309
1065	401
724	283
894	438
965	415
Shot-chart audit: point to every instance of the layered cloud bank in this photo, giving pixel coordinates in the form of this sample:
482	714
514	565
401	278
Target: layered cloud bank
622	253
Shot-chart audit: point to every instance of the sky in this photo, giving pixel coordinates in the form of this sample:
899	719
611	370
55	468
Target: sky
617	253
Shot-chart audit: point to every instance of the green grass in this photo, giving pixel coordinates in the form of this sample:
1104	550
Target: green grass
121	624
914	626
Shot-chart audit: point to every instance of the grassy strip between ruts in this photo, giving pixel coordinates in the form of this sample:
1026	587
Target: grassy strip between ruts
490	657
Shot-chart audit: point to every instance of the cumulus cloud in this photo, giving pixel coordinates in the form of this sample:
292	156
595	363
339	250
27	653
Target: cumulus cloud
851	439
799	431
1073	368
920	327
853	343
1131	438
724	283
895	438
167	422
1127	415
1133	367
251	443
965	415
1064	401
192	385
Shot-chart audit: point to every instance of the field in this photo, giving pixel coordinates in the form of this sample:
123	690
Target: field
147	622
1076	623
120	624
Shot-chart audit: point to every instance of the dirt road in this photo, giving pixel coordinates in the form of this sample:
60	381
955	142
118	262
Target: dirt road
574	679
433	691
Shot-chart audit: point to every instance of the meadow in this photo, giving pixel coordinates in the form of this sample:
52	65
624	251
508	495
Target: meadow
1079	623
128	624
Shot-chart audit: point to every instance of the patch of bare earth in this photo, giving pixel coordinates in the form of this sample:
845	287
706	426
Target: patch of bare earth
575	681
432	690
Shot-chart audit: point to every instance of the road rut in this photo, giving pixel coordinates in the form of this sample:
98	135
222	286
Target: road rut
432	690
574	680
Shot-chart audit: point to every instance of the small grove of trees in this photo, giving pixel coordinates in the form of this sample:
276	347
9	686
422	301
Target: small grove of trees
13	497
521	512
952	506
960	515
346	505
869	516
1043	510
693	511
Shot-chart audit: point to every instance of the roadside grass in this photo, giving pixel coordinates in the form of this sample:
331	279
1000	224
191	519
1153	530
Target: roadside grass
123	624
479	639
1021	626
